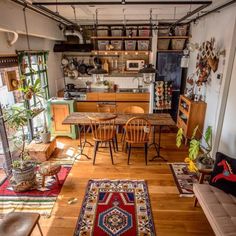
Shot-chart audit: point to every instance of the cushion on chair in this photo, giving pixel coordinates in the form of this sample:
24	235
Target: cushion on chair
219	208
224	173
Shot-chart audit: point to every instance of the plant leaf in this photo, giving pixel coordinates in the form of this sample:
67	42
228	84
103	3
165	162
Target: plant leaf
208	134
194	149
194	132
179	137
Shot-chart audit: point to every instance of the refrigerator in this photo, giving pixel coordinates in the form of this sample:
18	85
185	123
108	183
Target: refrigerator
168	83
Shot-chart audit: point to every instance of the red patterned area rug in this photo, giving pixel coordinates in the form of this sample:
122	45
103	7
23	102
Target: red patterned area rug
39	200
116	207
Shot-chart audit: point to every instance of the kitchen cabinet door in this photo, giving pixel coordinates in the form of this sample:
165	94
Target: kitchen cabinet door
59	112
86	106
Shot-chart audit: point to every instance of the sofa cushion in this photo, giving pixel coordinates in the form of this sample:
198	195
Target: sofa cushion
224	173
219	208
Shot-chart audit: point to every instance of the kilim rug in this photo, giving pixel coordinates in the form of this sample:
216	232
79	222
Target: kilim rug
116	207
184	179
38	200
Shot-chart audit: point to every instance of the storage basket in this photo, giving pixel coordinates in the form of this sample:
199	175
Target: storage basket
116	31
131	31
102	31
117	44
143	45
163	32
181	30
130	45
144	31
102	45
163	44
177	44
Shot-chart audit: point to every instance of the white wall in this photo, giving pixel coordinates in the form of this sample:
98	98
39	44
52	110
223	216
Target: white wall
219	25
12	18
228	135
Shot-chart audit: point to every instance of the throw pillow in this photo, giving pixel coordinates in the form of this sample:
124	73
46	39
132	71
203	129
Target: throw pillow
224	173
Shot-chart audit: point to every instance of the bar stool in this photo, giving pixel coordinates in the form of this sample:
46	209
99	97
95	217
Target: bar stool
19	224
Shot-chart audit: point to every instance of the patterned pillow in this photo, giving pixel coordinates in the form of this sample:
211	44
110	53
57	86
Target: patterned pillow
224	173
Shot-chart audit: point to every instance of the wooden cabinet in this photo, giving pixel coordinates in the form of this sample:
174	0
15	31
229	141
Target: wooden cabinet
191	114
122	100
58	110
86	106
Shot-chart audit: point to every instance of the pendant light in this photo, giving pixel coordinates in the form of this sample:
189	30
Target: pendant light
98	73
148	73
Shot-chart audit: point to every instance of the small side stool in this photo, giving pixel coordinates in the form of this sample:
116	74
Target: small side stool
19	224
49	169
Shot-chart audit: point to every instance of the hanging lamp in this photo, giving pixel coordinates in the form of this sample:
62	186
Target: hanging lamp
148	73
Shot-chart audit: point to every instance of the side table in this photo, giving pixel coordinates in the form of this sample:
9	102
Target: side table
203	173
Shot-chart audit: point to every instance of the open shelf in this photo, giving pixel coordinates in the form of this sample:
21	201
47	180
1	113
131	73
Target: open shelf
168	50
96	52
122	37
173	37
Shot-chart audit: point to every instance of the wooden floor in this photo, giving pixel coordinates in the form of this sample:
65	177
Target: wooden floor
173	215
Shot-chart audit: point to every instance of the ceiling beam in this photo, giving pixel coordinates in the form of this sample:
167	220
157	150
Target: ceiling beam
124	2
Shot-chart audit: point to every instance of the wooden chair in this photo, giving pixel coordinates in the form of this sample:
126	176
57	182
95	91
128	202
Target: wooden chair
127	110
19	224
107	108
103	130
133	109
137	132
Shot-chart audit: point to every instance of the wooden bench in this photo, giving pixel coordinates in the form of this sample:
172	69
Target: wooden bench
41	151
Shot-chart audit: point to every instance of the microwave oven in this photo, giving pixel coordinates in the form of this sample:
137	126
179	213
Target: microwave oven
134	64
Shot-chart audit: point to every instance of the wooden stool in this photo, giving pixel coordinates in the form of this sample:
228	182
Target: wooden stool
19	224
49	169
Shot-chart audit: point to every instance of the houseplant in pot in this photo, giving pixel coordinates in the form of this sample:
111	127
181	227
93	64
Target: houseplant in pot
16	118
198	154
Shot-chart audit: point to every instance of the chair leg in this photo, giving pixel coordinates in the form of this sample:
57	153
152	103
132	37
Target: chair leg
129	152
146	152
43	181
195	202
40	230
95	151
111	153
113	145
116	142
58	181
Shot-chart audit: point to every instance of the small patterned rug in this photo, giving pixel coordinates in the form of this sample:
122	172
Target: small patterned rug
184	179
116	207
39	200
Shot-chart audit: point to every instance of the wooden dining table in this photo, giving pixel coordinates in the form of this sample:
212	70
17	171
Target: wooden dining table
81	119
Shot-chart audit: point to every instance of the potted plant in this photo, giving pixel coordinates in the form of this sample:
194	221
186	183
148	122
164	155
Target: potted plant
198	155
35	89
17	118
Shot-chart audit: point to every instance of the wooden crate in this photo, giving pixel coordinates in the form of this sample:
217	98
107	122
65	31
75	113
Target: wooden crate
41	151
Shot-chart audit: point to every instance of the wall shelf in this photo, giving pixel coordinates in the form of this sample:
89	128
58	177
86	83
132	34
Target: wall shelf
173	37
122	37
98	52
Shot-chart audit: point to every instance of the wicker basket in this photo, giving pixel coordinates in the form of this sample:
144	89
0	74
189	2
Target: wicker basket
102	31
116	31
143	45
102	45
181	30
117	44
131	30
163	44
130	45
163	32
177	44
144	31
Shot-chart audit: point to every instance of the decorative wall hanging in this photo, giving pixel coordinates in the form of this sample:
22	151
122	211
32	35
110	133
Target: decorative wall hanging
207	60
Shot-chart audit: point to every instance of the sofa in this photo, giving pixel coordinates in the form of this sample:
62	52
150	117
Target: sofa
219	208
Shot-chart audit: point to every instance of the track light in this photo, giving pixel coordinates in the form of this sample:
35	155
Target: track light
123	2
